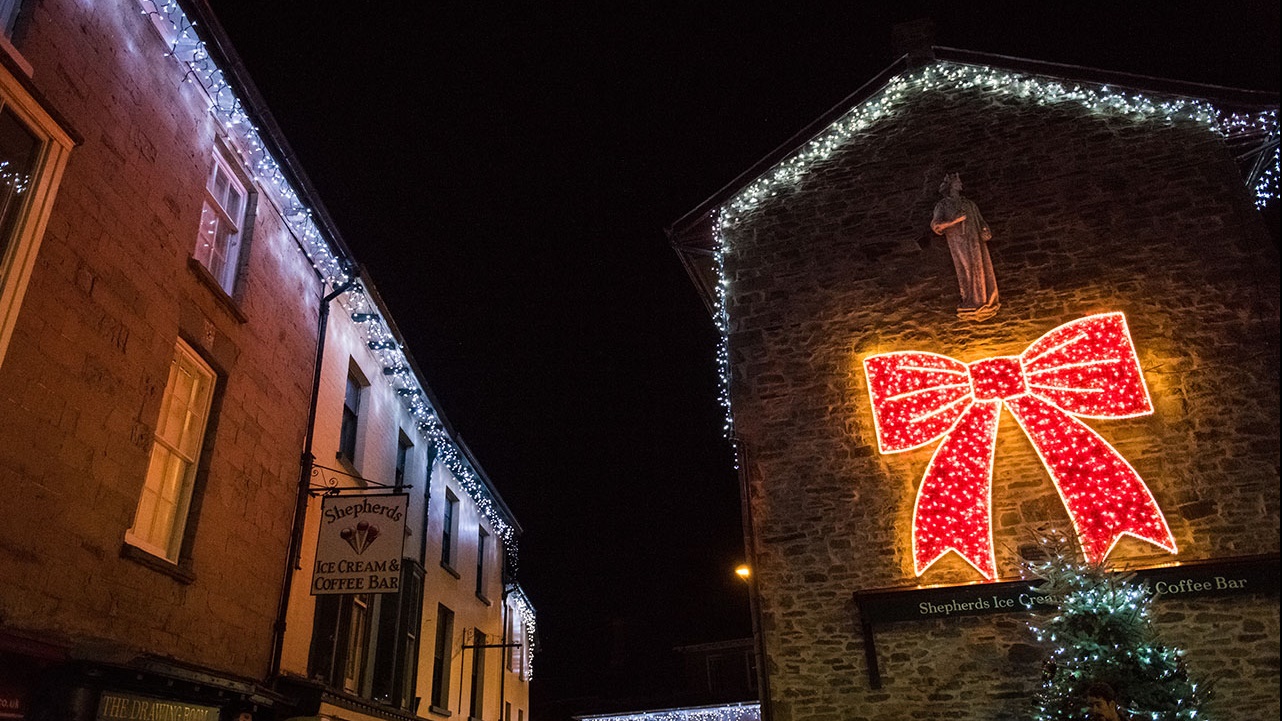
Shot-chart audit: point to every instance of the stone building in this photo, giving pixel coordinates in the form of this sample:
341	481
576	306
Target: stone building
1131	202
169	286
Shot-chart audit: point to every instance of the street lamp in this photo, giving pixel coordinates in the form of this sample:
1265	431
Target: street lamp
743	571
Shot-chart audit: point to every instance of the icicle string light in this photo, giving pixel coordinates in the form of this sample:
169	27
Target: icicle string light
190	51
727	712
226	107
1086	368
1042	90
1103	99
398	373
528	618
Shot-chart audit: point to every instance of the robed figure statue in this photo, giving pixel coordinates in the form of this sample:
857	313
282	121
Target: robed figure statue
958	219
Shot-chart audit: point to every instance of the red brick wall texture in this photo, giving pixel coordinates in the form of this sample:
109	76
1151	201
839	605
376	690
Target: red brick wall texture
80	389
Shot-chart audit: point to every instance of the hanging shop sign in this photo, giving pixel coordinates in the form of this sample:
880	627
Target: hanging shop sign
360	544
1087	368
114	706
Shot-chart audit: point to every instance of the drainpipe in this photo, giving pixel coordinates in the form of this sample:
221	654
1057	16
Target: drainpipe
304	482
503	657
754	599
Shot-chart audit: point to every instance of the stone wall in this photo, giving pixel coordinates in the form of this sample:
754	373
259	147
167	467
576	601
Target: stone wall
1090	213
112	290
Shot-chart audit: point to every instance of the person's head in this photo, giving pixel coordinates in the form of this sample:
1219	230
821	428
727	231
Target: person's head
952	181
1101	702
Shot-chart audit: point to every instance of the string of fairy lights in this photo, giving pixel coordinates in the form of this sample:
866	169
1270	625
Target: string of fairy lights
724	712
17	180
1102	99
528	619
227	108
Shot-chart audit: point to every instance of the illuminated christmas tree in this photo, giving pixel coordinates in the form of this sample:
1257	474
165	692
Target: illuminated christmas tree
1102	632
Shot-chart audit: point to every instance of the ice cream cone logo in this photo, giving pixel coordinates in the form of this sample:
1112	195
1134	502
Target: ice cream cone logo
359	537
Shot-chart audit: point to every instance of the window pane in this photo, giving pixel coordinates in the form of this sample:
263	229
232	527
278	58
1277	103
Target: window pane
357	644
222	217
353	396
232	205
160	518
441	660
18	152
221	184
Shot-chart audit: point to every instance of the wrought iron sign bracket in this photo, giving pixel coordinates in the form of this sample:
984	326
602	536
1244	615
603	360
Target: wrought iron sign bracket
325	482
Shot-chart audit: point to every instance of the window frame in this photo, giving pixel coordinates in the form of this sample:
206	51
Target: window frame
476	692
442	656
449	531
172	551
403	448
228	276
482	536
357	639
17	260
349	430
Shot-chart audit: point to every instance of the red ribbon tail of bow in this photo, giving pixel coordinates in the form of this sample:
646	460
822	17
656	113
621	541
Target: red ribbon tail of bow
953	507
1105	497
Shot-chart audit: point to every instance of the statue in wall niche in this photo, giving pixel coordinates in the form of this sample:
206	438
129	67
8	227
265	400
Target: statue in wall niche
958	219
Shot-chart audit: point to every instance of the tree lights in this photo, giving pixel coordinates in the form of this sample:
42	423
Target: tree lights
1103	632
1086	368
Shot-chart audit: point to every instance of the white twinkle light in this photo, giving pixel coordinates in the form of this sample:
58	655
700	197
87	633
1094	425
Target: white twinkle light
726	712
1101	99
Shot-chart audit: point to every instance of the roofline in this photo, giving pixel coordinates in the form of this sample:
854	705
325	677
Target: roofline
372	292
220	46
489	486
1221	94
798	139
1232	97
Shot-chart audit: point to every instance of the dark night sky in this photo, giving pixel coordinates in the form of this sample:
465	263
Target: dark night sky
506	172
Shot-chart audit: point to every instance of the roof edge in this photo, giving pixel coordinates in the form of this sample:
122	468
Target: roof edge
1232	98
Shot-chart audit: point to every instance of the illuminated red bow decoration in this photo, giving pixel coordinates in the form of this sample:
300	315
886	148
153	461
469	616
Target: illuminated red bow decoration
1085	368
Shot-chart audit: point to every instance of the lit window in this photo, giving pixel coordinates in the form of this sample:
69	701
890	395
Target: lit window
357	643
161	517
222	221
33	153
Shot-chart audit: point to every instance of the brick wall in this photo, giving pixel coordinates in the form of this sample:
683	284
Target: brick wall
80	389
1089	214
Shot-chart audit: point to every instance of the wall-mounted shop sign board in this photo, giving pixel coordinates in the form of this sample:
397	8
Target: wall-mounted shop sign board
1228	576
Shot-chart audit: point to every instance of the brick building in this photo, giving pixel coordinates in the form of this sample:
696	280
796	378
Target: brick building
154	389
1105	194
167	278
